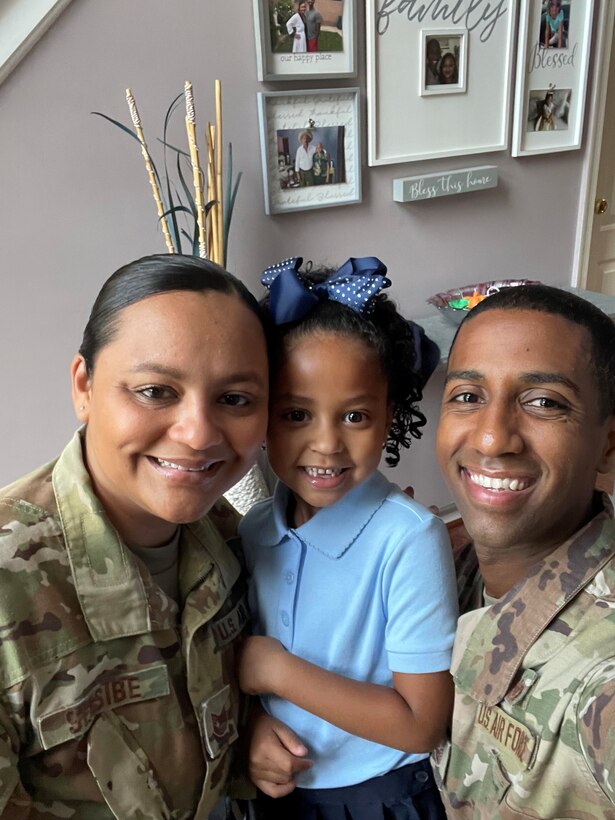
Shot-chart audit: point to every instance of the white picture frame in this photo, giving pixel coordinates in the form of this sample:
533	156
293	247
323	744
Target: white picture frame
334	58
453	47
331	117
551	79
22	23
429	124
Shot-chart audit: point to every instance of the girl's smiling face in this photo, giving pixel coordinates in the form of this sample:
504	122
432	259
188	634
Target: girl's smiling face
329	419
448	68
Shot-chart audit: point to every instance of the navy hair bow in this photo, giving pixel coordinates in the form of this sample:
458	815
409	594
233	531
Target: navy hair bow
426	353
354	285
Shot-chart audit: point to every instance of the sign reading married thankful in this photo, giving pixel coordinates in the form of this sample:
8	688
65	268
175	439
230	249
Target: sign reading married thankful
439	77
445	183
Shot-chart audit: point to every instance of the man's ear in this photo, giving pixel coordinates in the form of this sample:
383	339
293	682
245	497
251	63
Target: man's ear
607	459
80	384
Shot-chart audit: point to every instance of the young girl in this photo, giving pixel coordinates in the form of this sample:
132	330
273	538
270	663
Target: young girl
448	69
554	25
352	582
546	120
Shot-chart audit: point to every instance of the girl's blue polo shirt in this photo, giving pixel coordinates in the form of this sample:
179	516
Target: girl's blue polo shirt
364	588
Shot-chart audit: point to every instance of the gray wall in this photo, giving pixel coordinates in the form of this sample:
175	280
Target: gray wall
76	205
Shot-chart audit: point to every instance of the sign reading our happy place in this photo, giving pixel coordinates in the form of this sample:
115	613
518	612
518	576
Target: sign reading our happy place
445	183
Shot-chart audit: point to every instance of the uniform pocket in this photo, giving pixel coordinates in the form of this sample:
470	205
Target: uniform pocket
75	717
219	725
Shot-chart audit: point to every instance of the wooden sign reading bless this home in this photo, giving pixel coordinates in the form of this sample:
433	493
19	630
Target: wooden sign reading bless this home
445	183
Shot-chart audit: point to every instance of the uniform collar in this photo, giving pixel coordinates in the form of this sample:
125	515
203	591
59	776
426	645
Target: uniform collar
333	530
107	579
508	629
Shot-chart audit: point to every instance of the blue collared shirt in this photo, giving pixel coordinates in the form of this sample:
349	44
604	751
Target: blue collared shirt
365	588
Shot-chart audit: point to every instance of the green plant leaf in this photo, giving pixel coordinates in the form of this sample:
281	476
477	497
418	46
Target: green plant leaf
119	124
229	202
134	135
175	148
187	191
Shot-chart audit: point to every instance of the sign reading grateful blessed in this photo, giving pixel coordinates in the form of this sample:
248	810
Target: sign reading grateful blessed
445	183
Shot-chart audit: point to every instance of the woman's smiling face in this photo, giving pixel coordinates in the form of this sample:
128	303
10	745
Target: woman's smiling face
176	409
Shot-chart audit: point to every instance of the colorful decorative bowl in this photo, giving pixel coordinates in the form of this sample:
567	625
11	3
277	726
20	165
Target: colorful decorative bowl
456	303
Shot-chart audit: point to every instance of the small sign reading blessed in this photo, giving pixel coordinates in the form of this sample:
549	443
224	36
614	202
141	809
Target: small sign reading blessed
445	183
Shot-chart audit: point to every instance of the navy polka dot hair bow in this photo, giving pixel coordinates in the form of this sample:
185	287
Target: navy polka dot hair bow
354	285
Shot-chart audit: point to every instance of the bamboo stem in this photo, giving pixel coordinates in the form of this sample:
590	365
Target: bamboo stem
211	191
196	170
136	120
219	186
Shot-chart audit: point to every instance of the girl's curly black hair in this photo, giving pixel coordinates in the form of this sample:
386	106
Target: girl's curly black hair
388	333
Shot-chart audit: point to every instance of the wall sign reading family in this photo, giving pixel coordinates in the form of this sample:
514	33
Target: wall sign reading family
310	149
551	75
442	73
299	38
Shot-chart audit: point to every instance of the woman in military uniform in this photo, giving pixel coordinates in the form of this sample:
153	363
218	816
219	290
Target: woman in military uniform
120	599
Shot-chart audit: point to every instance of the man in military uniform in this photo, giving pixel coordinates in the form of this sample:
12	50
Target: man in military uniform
528	420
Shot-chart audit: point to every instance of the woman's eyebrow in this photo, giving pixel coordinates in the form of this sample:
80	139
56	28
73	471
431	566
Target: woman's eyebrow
175	373
156	367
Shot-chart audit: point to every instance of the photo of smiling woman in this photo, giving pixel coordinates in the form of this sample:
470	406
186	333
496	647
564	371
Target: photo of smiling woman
120	600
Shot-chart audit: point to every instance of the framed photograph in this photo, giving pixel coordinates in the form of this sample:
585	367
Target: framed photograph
310	149
305	38
443	61
443	80
552	64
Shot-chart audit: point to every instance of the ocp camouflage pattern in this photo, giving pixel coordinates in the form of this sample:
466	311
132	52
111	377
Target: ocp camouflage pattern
112	702
533	732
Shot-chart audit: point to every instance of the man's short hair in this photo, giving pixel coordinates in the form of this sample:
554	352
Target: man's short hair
547	299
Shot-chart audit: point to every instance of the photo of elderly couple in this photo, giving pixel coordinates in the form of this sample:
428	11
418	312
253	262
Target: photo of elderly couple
311	156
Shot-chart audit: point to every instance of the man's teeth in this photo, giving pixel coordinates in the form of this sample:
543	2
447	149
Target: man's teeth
498	483
314	472
174	466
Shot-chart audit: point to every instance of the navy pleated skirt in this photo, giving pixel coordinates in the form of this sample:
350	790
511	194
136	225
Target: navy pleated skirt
408	793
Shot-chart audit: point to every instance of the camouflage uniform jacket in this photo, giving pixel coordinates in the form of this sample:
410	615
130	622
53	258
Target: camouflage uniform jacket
533	731
113	703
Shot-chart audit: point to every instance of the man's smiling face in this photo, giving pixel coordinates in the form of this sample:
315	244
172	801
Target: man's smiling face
521	436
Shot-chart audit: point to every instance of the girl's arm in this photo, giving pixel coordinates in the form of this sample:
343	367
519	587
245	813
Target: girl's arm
560	34
411	716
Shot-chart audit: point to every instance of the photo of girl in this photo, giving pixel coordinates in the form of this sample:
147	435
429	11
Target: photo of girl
554	24
443	62
548	109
